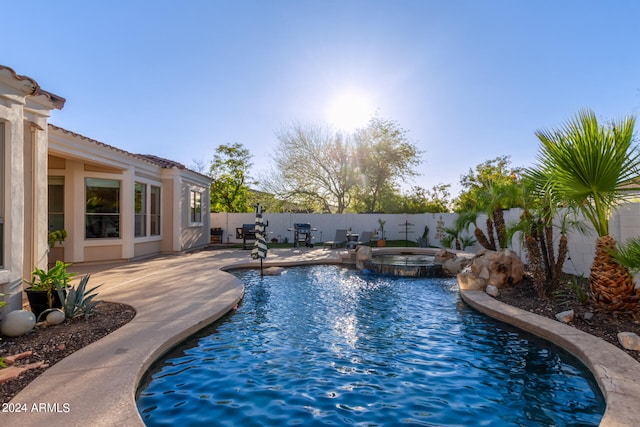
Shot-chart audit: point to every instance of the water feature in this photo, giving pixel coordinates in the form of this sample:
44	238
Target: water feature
324	345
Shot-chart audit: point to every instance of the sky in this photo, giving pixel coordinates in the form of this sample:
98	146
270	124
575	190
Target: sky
469	80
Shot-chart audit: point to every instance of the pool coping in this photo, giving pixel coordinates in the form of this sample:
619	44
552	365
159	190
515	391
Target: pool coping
100	382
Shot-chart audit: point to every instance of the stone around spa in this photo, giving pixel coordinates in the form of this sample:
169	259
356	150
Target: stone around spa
497	268
629	340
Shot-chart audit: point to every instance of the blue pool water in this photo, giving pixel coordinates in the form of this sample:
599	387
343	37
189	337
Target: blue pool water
324	345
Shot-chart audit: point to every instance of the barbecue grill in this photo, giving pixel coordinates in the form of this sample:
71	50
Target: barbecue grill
246	232
302	233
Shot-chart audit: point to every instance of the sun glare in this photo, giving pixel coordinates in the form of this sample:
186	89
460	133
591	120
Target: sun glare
349	111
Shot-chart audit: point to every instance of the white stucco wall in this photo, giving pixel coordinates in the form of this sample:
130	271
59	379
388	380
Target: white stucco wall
24	110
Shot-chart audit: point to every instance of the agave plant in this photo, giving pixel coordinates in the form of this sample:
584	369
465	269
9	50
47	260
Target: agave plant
78	300
593	167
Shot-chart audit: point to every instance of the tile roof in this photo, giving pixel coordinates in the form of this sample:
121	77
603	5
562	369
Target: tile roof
57	101
155	160
163	163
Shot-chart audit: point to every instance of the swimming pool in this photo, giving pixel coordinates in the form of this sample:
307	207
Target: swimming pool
325	345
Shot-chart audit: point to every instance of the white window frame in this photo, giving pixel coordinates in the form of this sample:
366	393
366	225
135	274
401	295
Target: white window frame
195	207
142	215
149	210
61	181
152	212
117	214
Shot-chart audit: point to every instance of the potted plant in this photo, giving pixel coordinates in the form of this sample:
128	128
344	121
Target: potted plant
42	291
382	241
56	236
56	252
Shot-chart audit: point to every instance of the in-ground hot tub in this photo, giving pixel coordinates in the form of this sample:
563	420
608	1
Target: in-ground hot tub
404	264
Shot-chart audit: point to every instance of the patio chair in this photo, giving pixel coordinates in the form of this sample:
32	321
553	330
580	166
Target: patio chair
339	240
365	237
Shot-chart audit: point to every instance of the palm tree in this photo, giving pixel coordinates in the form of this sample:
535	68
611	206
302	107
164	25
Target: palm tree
536	226
464	221
592	167
466	241
451	237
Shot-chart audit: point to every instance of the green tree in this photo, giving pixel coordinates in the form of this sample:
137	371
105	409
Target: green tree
492	187
421	200
230	174
313	168
385	157
593	167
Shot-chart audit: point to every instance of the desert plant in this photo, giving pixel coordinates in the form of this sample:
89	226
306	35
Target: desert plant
78	301
423	241
47	280
382	223
466	241
575	288
451	238
536	229
594	167
447	242
465	220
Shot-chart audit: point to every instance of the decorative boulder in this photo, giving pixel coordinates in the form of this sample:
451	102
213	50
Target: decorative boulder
492	291
499	268
55	317
18	322
629	340
363	254
565	316
456	265
467	281
443	256
496	268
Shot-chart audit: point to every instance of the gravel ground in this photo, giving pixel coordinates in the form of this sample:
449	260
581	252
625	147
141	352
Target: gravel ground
51	344
603	324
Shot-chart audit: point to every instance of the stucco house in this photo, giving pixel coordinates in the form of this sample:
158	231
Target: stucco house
114	205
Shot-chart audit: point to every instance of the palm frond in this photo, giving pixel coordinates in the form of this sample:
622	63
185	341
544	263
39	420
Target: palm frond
590	165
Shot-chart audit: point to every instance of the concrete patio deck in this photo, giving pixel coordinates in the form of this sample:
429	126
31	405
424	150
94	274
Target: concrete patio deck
175	296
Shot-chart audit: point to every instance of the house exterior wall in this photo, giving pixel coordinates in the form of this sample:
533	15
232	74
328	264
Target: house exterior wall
170	205
32	150
24	111
11	273
146	249
102	252
194	234
77	158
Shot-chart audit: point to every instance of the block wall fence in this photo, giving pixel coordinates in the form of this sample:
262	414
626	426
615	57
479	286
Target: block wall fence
624	224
